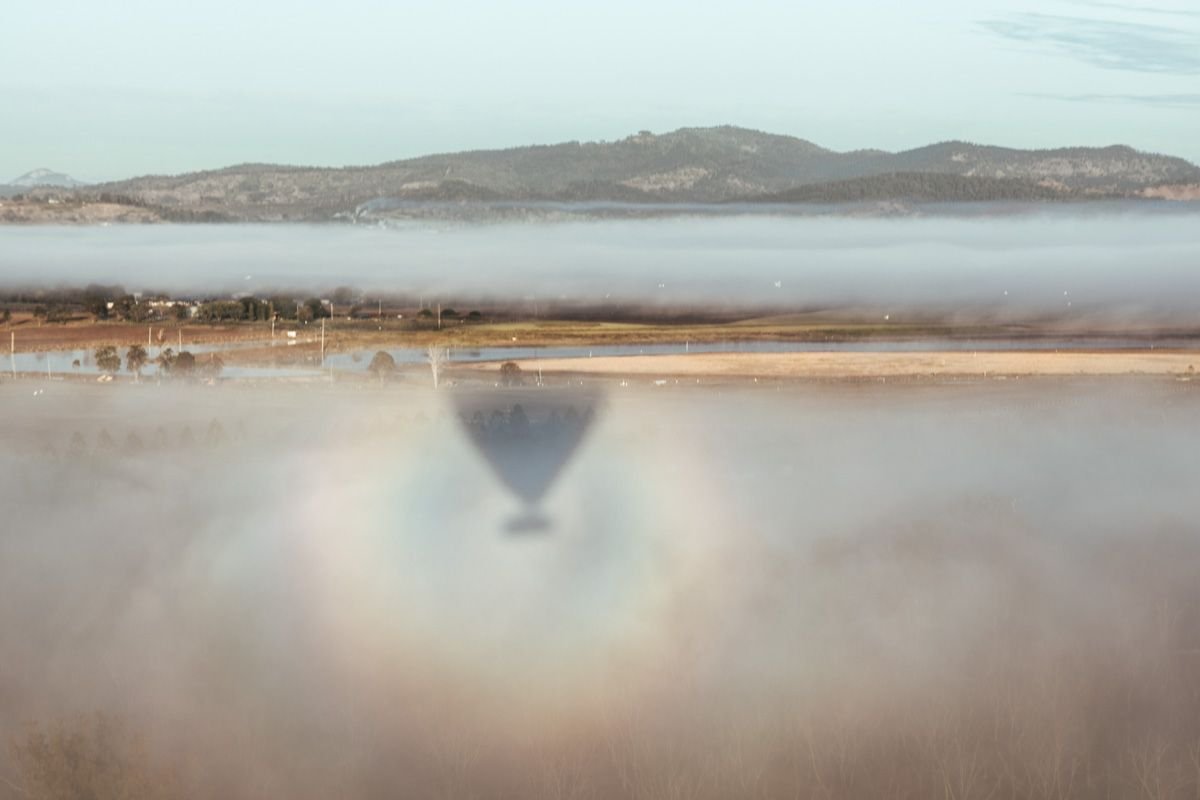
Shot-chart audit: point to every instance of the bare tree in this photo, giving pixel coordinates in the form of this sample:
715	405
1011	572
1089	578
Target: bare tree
211	368
437	356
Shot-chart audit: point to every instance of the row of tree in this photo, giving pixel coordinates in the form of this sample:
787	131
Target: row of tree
254	309
105	443
175	365
113	302
383	364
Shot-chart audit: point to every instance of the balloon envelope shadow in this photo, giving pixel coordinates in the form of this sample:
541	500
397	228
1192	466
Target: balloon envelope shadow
527	437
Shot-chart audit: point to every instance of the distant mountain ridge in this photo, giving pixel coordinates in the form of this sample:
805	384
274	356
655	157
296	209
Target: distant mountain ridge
39	178
46	177
691	165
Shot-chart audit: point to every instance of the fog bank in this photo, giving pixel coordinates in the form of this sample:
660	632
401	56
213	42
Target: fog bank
749	594
1060	262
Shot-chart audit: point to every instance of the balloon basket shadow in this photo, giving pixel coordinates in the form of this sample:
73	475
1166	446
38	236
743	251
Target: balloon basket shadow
526	437
528	522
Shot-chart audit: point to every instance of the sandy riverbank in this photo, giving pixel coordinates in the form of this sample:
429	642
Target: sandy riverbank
869	365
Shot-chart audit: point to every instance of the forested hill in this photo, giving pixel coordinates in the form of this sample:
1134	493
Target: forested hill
690	165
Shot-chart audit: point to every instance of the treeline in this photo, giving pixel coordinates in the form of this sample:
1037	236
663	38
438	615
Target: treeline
254	309
99	300
170	364
65	295
166	213
113	302
105	302
927	187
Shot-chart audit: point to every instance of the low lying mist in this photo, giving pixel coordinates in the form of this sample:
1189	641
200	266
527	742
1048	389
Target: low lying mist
1061	262
987	591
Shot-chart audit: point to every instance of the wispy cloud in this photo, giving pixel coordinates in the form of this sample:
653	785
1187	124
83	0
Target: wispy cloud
1110	44
1137	9
1188	101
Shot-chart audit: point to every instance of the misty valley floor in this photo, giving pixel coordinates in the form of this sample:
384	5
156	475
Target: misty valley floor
823	590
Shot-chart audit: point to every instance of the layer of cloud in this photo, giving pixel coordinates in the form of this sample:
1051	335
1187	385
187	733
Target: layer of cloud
1109	44
1137	9
1156	100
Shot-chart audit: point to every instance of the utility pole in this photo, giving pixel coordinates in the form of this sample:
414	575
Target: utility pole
12	352
322	341
439	316
180	340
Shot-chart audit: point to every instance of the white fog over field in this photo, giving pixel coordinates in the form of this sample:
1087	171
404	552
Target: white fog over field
874	590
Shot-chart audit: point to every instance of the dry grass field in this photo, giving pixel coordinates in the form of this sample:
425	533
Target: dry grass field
344	334
85	334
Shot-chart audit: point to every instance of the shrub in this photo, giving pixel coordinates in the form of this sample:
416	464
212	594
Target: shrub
510	374
382	365
184	364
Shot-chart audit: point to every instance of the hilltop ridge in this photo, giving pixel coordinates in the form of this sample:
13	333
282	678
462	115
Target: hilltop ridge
723	164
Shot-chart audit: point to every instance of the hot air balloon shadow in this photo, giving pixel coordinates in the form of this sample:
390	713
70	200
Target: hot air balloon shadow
527	438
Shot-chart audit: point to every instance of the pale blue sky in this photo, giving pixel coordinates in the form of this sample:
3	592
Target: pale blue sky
105	90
